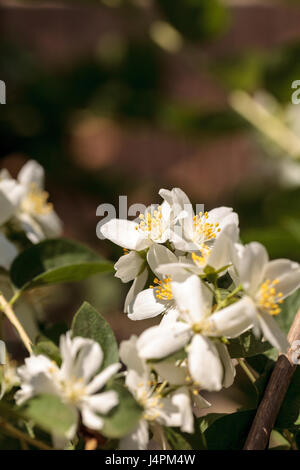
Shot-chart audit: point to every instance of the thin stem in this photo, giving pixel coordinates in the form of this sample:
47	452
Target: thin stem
223	303
247	370
14	432
8	311
15	297
266	123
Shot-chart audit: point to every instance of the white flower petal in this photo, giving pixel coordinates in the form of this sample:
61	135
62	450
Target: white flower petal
229	369
137	382
12	191
50	224
103	402
181	399
137	285
272	332
32	172
88	360
288	274
129	355
125	234
192	298
2	353
171	316
204	363
224	216
38	375
166	211
161	341
145	305
90	419
81	357
221	250
100	380
159	254
31	227
128	266
7	209
235	319
179	272
8	252
138	439
250	262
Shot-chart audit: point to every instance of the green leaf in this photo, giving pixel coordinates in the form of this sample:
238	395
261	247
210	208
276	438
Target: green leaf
52	415
219	431
123	419
229	432
289	309
247	345
55	261
88	323
177	439
48	348
197	440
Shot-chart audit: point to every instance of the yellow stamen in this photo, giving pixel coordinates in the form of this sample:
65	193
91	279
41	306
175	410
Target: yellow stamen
202	258
163	289
269	297
151	223
37	201
204	228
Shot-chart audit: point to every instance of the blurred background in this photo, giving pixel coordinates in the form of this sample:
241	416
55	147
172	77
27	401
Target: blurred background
123	97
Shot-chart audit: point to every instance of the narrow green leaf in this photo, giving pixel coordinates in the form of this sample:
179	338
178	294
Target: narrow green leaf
177	439
56	261
88	323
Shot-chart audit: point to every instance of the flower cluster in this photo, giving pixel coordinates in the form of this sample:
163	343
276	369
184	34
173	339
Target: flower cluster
76	381
206	288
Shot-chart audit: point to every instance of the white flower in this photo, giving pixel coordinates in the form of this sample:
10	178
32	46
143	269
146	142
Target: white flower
8	252
216	255
76	381
208	361
266	283
153	227
8	375
157	298
196	231
25	201
171	410
156	225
